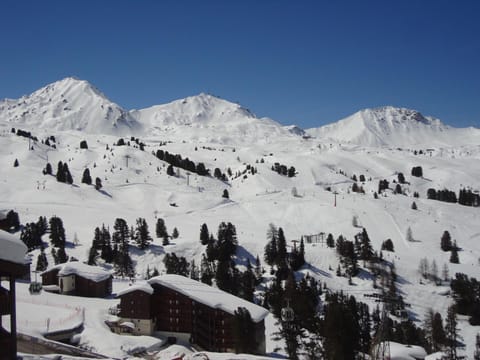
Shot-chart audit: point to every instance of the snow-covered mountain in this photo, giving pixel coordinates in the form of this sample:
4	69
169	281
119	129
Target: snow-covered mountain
137	184
391	126
208	118
68	104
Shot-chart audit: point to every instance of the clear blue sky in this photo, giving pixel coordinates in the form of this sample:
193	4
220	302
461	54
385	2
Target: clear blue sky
307	62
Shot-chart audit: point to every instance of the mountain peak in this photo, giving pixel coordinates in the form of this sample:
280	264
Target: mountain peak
68	104
395	114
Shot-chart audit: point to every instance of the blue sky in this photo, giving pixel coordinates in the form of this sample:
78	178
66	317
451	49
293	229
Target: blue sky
306	62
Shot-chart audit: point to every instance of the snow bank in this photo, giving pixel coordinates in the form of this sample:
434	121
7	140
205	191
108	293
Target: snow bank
12	249
210	296
406	352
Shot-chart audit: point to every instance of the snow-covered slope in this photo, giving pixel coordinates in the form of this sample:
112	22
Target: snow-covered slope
391	126
206	118
68	104
207	129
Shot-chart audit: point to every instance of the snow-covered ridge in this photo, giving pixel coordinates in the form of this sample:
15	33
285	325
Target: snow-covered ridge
391	126
68	104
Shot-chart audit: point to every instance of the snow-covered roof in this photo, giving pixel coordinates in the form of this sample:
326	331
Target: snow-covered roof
128	324
208	295
12	248
93	273
406	352
145	287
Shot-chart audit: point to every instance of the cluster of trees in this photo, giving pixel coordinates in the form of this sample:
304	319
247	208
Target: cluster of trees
361	178
87	179
32	233
63	173
468	198
352	251
430	271
23	133
114	248
466	293
284	170
12	221
442	195
186	164
357	189
162	233
218	263
50	141
465	197
382	185
302	298
276	255
417	171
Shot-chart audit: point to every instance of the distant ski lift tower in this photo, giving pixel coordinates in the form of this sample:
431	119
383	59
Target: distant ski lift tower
188	178
126	158
335	193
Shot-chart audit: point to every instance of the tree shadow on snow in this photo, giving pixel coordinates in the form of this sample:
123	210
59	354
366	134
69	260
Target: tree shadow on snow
243	256
103	192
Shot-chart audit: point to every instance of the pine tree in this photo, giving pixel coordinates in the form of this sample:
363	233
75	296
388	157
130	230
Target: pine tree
225	194
414	206
98	183
13	221
175	233
161	228
92	255
204	236
476	353
244	332
454	256
330	241
57	232
165	240
206	272
86	178
409	234
42	262
48	169
62	256
15	163
446	241
68	176
451	333
142	235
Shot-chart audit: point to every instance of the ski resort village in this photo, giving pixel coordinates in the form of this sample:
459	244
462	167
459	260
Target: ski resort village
196	230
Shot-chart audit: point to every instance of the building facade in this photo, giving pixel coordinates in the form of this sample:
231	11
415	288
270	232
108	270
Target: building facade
177	307
76	278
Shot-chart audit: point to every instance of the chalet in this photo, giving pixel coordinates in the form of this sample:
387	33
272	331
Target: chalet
181	308
76	278
12	266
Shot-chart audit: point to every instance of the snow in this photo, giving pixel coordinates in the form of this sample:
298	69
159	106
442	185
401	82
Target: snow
406	352
137	287
208	295
377	143
12	248
89	272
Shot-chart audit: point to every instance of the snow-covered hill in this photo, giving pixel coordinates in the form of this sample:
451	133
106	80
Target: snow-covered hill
68	104
224	135
390	126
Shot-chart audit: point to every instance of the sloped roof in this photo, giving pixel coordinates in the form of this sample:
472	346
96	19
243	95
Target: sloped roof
208	295
145	287
94	273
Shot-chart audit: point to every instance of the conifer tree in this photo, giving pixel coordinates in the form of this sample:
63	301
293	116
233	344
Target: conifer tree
225	194
206	272
446	241
204	235
98	183
62	256
57	232
86	178
175	233
161	228
142	235
42	262
243	329
454	255
92	255
48	169
15	163
451	333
